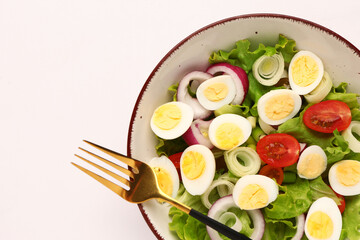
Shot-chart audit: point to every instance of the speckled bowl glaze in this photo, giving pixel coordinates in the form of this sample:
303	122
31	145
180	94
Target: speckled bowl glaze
341	60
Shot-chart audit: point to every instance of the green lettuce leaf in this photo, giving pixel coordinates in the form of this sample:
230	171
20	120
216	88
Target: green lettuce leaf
185	226
293	200
320	189
351	218
279	229
170	147
234	109
243	57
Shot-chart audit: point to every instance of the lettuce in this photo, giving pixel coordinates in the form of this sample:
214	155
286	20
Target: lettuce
293	200
279	229
339	93
320	189
170	147
351	218
243	57
185	226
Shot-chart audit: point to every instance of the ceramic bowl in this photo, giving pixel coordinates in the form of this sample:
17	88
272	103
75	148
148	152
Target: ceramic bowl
341	59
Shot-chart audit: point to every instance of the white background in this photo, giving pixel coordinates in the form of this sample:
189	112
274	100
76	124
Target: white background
72	70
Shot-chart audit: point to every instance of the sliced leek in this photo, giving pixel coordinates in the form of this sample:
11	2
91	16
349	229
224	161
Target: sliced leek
320	92
266	127
348	134
252	120
242	161
215	184
268	70
224	190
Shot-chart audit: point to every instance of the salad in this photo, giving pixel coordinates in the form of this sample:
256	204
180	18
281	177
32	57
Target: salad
263	142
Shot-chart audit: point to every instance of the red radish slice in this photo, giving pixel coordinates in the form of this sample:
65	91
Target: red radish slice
183	95
197	133
302	147
220	207
237	74
300	226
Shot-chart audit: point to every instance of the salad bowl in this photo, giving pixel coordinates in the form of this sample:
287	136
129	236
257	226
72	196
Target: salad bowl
340	57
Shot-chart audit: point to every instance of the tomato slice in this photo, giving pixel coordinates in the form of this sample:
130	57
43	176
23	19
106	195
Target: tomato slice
278	149
327	116
175	158
273	172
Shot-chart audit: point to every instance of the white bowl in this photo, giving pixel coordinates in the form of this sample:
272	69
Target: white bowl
341	60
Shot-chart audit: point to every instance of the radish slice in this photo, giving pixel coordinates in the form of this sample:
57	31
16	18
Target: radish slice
302	147
183	94
300	226
237	74
220	207
198	133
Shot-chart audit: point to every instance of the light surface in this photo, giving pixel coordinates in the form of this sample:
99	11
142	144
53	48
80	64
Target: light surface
72	70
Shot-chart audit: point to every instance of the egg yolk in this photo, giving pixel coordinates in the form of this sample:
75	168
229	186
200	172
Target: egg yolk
167	116
216	92
320	225
253	196
164	180
305	71
279	106
311	166
193	165
348	173
228	136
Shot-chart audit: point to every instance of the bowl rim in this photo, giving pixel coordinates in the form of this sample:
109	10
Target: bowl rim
211	25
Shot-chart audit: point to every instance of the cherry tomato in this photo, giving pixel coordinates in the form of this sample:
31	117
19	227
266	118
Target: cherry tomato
278	149
273	172
175	158
327	116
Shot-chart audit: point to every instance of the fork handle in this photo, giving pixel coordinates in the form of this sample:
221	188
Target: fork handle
221	228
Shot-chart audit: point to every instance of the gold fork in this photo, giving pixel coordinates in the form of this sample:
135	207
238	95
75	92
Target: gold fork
143	186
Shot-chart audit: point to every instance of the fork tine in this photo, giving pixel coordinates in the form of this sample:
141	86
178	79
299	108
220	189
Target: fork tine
114	175
114	154
123	170
112	186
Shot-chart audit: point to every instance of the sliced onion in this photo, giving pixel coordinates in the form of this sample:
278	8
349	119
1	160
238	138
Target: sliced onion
220	208
237	74
198	133
217	183
183	94
348	135
320	92
300	226
248	155
268	70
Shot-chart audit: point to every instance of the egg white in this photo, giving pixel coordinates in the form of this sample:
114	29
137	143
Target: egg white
167	164
267	183
212	105
266	97
314	149
187	115
238	120
305	90
199	185
337	186
329	207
